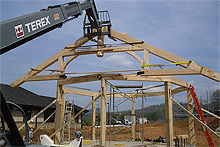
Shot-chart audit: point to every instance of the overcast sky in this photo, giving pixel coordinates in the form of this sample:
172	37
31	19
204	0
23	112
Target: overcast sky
189	29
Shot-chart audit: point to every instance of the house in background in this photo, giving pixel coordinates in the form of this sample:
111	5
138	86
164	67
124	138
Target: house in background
32	103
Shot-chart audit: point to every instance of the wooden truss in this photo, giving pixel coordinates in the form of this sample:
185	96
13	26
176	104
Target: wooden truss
131	45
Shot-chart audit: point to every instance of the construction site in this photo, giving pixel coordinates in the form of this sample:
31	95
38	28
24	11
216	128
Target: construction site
59	121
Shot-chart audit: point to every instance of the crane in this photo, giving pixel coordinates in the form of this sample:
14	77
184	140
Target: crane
19	30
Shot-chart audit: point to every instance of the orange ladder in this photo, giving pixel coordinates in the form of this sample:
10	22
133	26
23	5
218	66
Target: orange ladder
201	116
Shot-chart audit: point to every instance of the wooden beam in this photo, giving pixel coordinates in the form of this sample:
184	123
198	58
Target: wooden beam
159	93
104	50
60	104
210	113
121	95
44	77
168	56
179	82
135	56
71	58
169	72
100	43
127	114
128	86
122	77
169	114
80	79
48	62
103	114
146	58
79	92
102	72
44	122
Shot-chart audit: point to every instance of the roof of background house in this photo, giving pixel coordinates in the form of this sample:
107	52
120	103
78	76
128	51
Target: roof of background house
23	97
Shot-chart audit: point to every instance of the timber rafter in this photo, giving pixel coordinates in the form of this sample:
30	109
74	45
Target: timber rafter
136	45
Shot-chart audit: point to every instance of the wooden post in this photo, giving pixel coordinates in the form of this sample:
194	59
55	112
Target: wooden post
100	43
191	120
60	105
103	113
133	118
146	58
169	114
93	117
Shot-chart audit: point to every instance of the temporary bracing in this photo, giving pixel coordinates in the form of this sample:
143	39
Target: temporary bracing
201	116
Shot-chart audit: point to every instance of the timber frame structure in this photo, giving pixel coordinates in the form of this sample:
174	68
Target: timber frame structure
154	75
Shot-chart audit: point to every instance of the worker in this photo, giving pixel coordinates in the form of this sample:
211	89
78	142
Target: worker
31	129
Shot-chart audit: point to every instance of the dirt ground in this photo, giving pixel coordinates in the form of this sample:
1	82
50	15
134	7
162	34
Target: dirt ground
152	131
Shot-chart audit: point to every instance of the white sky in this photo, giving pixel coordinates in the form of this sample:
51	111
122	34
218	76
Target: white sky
189	29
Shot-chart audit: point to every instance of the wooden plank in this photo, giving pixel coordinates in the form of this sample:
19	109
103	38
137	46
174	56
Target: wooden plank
168	56
169	114
44	122
39	113
210	113
79	92
48	62
103	114
44	77
168	72
204	125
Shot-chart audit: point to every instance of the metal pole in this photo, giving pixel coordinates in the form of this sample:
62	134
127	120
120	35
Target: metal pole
207	100
142	114
108	113
113	112
110	116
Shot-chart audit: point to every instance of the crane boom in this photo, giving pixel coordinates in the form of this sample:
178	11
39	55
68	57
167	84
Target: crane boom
17	31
